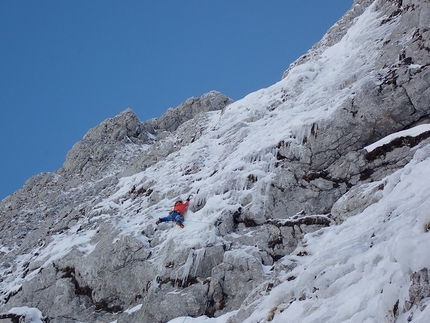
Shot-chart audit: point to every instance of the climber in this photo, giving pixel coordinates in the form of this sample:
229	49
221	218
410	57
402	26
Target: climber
177	214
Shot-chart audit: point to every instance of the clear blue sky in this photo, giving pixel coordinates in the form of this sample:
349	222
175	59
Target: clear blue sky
65	66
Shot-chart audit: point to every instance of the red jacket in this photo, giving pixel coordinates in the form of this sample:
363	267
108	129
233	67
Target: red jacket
180	207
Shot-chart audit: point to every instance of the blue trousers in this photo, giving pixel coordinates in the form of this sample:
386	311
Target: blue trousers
176	216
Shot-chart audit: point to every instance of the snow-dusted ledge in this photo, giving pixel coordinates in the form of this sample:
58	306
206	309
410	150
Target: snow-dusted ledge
413	132
31	314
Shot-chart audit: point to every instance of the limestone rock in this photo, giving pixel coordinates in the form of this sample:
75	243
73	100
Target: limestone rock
173	118
84	240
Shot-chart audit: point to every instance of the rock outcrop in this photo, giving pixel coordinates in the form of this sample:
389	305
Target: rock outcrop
81	244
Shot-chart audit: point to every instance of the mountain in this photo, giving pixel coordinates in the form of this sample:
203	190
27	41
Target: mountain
308	199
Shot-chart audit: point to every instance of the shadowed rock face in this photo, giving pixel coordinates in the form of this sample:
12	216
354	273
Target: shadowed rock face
319	178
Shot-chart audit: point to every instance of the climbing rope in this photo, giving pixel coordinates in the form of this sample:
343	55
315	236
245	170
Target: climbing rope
198	222
208	268
154	281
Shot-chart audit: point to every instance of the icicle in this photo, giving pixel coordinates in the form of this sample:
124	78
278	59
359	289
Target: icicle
199	256
187	266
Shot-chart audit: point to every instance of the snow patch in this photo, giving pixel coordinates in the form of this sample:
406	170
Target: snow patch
31	314
413	132
133	309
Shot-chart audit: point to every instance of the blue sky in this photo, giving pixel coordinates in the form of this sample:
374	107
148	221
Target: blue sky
65	66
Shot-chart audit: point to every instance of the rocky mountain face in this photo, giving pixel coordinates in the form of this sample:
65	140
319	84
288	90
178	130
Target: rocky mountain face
81	244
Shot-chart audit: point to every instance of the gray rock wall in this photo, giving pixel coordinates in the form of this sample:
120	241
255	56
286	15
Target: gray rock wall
397	100
70	288
318	181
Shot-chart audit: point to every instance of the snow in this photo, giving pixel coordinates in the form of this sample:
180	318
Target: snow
62	244
413	132
32	315
357	271
134	309
203	319
354	272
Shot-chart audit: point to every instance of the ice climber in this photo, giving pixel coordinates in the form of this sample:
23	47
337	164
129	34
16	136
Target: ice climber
177	214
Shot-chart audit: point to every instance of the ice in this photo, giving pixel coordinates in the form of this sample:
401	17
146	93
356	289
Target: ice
356	271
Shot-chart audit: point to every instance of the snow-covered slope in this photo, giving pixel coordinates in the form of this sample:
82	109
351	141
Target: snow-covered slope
360	270
291	219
